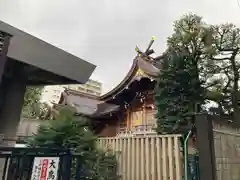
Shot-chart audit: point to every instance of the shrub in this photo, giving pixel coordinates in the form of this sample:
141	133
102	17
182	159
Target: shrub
69	131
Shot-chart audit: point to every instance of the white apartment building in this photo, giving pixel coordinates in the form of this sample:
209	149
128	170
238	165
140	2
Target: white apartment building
51	94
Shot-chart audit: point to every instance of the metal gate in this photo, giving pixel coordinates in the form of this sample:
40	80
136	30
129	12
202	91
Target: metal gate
227	153
17	163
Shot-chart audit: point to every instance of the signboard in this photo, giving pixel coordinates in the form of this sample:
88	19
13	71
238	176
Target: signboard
45	168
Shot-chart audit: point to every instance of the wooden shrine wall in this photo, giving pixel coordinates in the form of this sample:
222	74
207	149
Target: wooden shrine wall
140	113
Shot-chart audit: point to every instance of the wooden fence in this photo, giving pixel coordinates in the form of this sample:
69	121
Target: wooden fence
227	152
147	157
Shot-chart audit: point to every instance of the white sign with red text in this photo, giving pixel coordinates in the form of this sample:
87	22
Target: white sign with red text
45	168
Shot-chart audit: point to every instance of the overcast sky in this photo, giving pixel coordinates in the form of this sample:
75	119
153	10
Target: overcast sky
105	32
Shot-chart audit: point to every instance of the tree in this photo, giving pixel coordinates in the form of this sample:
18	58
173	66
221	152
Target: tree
193	37
214	49
31	102
226	42
177	94
33	108
68	131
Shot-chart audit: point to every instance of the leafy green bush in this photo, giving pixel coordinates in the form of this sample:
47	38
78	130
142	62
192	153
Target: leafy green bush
68	131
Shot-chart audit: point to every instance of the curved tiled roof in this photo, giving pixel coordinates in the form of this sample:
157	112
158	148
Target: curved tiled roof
86	104
143	66
92	105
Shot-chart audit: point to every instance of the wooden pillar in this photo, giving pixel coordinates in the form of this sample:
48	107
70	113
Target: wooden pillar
205	144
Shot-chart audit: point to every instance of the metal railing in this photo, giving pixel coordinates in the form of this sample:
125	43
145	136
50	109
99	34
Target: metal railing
18	163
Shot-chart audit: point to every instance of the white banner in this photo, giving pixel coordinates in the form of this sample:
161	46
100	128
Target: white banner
45	168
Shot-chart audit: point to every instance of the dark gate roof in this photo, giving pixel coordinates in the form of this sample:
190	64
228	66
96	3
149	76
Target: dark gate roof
28	49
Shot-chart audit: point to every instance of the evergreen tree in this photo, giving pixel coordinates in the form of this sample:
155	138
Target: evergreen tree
177	94
73	133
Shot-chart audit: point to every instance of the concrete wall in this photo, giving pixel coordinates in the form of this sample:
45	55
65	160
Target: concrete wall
27	127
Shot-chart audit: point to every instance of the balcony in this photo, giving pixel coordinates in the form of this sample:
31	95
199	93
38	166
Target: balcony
141	130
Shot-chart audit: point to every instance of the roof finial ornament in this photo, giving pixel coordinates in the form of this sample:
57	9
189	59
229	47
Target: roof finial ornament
148	51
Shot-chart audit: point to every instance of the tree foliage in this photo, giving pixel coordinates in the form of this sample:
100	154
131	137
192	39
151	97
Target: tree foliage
31	102
226	41
67	131
193	37
177	94
215	50
32	107
32	96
